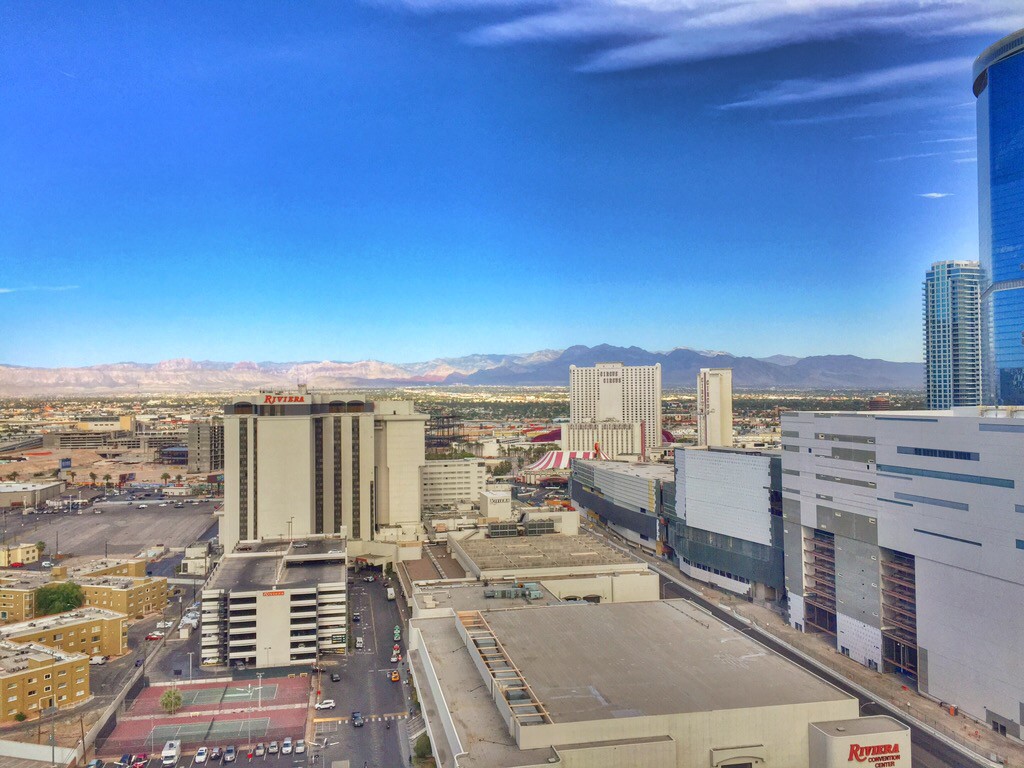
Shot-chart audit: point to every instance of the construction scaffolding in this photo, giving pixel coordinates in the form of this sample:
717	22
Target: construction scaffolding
443	429
820	578
899	613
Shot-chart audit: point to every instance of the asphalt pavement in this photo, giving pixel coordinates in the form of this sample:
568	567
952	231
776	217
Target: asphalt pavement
366	687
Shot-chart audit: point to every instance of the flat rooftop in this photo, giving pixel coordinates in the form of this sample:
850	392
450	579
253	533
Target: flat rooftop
21	579
647	471
77	616
253	571
470	597
860	727
521	553
596	662
15	657
90	567
9	487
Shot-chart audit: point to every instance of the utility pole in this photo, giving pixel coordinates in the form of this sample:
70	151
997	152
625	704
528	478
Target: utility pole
259	690
190	654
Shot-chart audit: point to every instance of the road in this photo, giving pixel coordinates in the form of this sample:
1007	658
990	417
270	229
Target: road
928	752
366	687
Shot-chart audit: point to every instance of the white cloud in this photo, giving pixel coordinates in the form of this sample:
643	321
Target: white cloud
936	195
639	33
39	288
892	78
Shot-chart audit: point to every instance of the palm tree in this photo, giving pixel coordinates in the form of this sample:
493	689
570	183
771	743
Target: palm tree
177	478
92	477
72	475
106	480
165	477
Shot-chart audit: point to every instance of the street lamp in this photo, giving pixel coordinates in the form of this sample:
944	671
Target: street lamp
190	654
259	690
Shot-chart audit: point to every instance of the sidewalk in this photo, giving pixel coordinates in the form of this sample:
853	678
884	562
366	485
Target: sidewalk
888	688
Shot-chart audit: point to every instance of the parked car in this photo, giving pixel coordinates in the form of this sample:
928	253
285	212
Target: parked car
300	545
155	636
201	754
325	704
286	746
335	677
369	579
300	747
17	565
357	720
395	677
229	754
126	759
95	763
273	748
179	505
261	749
356	618
47	564
216	753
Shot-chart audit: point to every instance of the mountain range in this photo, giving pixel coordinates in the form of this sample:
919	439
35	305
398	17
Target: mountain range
548	367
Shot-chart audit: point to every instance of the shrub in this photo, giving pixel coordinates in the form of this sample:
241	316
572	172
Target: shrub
422	748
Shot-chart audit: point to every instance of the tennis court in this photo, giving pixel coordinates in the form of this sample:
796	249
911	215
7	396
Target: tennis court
213	731
210	697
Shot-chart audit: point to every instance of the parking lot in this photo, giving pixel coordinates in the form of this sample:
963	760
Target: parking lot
121	529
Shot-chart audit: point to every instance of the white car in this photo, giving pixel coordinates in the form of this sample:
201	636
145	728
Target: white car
300	747
164	504
325	704
286	746
201	755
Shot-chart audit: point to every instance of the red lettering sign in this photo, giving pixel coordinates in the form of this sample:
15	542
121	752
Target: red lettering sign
273	594
275	399
861	753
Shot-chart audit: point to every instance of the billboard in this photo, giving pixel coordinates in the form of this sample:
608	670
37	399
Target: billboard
65	463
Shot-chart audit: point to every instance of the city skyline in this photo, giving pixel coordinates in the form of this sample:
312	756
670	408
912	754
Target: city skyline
214	185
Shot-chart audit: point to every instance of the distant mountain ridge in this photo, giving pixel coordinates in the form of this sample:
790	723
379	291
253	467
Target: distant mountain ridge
547	367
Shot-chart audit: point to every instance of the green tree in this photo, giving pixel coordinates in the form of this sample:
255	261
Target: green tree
13	476
502	468
57	598
92	477
106	480
177	478
422	748
170	702
41	546
165	477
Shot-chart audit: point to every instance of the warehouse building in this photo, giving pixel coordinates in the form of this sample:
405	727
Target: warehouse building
29	494
277	603
659	684
904	547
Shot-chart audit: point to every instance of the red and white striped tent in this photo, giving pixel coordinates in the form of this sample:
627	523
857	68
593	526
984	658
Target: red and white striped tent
556	463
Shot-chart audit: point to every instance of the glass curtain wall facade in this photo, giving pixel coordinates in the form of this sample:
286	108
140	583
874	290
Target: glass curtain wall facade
952	334
998	85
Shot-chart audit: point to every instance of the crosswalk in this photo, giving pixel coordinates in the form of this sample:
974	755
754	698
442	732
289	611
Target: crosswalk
368	718
415	726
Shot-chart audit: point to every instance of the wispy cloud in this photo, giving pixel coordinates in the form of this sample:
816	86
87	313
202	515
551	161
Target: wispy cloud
639	33
812	90
869	109
39	288
955	139
935	195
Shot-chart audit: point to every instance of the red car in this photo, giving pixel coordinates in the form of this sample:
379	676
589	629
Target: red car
139	760
17	565
155	636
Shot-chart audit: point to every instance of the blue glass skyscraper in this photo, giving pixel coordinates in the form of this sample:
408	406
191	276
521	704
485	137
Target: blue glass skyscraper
999	87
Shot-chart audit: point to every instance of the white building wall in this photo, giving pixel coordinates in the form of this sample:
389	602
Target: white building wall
863	642
615	438
452	482
726	493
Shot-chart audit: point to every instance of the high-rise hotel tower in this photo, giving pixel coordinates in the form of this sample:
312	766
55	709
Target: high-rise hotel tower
998	85
952	334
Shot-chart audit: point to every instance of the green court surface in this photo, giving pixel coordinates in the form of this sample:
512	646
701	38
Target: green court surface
218	730
229	695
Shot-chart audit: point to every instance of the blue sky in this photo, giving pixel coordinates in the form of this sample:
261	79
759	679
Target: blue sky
408	179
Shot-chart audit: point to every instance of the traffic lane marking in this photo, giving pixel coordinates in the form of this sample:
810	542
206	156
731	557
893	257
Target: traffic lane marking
367	718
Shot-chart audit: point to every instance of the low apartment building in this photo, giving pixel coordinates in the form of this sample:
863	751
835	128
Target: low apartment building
125	594
18	594
103	567
92	631
277	603
18	553
34	677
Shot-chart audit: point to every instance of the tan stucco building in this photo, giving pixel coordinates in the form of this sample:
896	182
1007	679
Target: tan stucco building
92	631
34	677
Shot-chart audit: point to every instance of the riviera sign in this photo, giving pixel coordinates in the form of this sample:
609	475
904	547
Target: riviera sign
879	755
273	399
